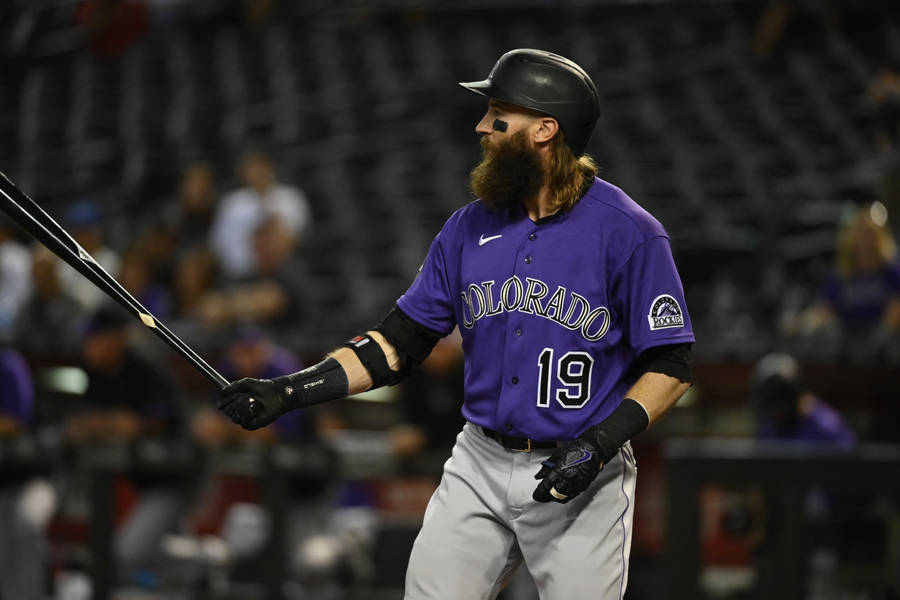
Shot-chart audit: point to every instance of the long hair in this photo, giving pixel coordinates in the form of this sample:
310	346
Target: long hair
849	262
566	174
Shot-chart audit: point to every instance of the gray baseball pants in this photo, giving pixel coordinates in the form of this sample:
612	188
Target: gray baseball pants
481	524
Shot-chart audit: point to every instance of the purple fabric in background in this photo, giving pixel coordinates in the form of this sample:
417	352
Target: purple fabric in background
293	424
16	387
823	424
861	300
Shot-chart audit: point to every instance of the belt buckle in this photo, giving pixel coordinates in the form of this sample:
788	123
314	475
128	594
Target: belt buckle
527	448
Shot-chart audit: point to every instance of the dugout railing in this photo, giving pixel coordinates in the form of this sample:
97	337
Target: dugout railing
784	472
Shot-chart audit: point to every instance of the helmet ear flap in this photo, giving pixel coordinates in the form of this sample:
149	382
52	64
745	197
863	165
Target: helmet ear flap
550	84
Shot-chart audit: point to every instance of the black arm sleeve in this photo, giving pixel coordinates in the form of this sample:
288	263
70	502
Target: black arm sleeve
673	360
630	417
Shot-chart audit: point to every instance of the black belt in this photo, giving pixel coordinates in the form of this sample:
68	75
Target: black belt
517	443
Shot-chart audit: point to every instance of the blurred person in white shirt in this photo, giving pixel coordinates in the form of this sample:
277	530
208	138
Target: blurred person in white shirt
243	210
15	276
85	221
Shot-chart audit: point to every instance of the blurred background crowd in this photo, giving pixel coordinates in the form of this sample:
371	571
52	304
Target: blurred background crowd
265	177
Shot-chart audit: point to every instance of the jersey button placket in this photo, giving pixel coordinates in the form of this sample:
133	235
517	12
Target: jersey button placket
510	401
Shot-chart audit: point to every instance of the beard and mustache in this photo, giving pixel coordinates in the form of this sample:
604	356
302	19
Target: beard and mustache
510	172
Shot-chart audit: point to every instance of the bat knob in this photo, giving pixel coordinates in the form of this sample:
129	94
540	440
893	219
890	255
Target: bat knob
557	495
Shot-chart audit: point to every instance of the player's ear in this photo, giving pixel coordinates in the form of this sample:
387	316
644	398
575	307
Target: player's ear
546	130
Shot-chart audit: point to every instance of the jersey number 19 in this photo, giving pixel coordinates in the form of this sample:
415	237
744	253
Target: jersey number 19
573	371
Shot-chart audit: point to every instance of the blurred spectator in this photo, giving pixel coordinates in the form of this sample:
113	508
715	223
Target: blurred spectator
431	399
15	276
26	503
863	294
884	91
784	409
771	26
129	395
51	321
16	392
112	25
192	217
787	410
194	275
181	227
135	276
242	211
85	222
838	523
184	223
782	18
195	272
272	295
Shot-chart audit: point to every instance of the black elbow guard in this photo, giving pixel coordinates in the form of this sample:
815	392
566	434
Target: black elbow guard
412	342
673	360
372	357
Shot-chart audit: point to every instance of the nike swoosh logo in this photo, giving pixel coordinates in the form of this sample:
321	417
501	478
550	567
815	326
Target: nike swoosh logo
583	458
484	240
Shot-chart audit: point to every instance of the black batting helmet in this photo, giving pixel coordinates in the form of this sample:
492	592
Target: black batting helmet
547	83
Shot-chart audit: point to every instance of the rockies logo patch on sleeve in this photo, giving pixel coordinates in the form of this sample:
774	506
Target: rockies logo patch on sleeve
665	312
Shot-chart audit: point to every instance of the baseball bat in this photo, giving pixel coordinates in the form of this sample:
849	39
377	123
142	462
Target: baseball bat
28	215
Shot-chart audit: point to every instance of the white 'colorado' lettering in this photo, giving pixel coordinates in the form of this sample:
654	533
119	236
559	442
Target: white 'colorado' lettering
565	308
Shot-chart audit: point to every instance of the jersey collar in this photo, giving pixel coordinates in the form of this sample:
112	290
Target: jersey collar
588	184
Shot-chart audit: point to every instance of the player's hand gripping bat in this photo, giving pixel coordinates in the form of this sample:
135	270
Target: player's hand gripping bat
26	213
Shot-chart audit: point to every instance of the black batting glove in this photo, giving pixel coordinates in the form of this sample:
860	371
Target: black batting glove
254	403
568	472
571	469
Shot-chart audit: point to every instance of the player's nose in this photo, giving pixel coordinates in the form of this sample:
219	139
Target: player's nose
484	126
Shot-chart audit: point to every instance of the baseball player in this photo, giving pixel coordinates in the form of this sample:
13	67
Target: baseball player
576	338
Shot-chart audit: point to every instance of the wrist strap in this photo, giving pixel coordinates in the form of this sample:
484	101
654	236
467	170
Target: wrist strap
628	420
319	383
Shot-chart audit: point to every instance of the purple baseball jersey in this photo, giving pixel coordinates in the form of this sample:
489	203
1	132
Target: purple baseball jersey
552	313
